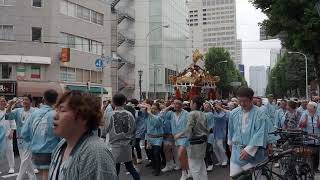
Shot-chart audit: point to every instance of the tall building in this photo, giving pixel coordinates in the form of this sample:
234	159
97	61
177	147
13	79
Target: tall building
274	57
161	45
258	79
241	70
213	24
53	44
238	59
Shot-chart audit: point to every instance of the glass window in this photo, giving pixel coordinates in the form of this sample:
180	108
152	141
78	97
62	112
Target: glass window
36	34
99	78
78	43
6	32
93	47
94	17
63	40
37	3
71	9
79	75
99	48
100	18
83	13
6	2
94	76
35	72
85	45
6	71
71	41
86	76
64	7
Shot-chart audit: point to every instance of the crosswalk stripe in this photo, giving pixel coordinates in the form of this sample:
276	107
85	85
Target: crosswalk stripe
10	175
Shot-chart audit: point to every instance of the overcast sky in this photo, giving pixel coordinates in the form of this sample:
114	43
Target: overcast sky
254	51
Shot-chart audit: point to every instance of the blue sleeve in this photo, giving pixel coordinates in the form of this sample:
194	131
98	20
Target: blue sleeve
230	127
12	115
260	136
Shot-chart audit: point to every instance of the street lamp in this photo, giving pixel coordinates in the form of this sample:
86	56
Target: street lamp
140	83
147	52
306	62
214	67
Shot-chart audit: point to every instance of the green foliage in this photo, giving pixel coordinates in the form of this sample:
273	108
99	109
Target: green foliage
226	71
287	78
298	24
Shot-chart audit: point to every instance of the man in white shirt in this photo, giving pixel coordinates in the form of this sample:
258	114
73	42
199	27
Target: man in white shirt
10	126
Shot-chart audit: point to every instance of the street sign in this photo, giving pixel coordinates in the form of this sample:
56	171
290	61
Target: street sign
99	63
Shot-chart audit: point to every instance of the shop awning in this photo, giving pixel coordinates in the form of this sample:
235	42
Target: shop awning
36	89
92	89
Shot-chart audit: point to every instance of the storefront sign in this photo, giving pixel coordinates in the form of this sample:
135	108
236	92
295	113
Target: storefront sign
7	88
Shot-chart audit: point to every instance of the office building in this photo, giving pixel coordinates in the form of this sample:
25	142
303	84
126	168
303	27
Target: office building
258	79
53	44
161	48
213	24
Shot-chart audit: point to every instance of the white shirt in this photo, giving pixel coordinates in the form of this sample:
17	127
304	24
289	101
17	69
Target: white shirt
251	150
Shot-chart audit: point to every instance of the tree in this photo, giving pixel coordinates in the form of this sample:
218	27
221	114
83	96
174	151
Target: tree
287	78
297	23
226	71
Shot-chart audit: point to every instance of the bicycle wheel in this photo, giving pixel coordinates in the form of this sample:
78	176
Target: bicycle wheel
305	172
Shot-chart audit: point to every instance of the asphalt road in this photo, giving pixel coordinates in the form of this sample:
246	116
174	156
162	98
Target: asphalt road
145	173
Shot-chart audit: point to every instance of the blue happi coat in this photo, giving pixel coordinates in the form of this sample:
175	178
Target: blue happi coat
154	130
140	124
270	113
279	120
3	144
167	118
255	135
38	130
211	125
220	125
178	126
16	115
270	110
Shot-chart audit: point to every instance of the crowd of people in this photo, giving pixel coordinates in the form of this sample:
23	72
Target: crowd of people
74	136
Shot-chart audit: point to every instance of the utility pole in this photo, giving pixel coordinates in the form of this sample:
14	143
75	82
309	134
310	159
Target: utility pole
140	84
154	82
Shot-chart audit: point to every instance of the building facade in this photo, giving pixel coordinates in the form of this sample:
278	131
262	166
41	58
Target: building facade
258	79
213	24
123	46
161	45
34	33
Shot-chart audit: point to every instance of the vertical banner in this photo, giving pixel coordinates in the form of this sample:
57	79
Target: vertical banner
21	72
35	72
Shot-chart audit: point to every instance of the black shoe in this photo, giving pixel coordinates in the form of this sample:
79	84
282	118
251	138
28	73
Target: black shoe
148	165
156	173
